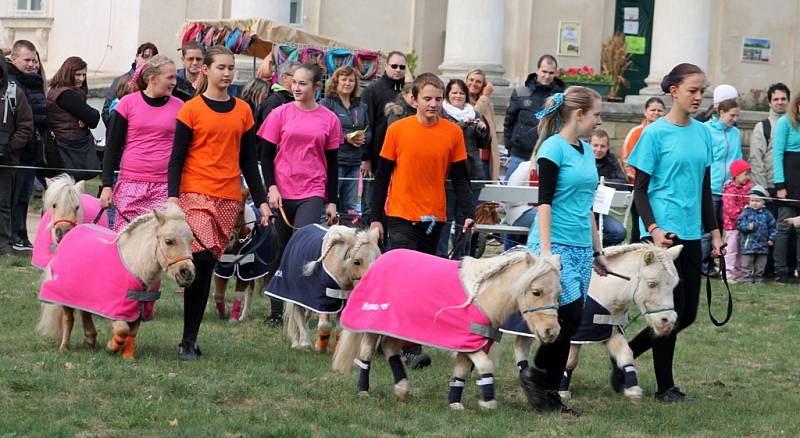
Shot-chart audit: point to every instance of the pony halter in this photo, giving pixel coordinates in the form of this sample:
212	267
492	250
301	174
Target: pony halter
65	221
540	308
646	310
169	261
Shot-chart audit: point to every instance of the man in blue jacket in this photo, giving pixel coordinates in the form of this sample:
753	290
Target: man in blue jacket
520	124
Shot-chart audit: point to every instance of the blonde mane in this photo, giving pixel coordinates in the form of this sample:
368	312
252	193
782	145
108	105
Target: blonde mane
170	211
335	234
61	190
660	254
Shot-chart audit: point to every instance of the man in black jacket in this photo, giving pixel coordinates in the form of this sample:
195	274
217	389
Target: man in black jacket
520	125
143	53
192	58
24	69
609	168
376	96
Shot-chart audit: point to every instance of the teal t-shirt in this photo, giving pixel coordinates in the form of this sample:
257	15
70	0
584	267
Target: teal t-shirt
575	186
726	146
786	138
676	158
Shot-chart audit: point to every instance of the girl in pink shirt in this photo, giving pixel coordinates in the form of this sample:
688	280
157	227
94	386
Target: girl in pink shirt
140	142
299	160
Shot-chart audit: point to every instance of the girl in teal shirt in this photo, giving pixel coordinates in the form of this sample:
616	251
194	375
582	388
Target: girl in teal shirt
564	225
673	196
786	176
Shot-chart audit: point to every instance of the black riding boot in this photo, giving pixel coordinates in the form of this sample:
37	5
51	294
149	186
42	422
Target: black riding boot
540	398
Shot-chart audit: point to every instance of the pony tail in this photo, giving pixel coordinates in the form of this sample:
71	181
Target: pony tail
548	125
309	267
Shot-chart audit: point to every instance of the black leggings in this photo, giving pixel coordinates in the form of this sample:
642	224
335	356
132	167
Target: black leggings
687	297
300	212
195	297
553	357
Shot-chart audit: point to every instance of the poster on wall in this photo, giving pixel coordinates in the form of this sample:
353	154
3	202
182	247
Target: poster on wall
569	38
756	50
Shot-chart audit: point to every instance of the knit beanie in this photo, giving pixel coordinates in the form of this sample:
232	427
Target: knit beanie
759	191
724	92
738	166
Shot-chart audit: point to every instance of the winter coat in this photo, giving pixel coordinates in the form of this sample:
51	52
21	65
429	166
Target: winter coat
184	90
726	147
376	96
18	128
352	119
610	168
474	139
397	110
33	86
761	151
755	241
520	125
734	200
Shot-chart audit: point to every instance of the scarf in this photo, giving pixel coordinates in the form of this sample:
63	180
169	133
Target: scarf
468	112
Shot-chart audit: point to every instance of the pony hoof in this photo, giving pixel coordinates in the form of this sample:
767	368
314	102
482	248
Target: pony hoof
301	346
63	349
401	389
634	394
457	406
363	394
90	343
565	395
489	405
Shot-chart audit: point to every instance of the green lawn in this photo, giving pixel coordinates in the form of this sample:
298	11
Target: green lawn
744	377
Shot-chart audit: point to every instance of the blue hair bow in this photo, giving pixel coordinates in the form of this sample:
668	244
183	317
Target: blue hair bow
558	100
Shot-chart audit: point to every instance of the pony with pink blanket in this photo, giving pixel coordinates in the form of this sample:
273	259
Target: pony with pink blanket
457	306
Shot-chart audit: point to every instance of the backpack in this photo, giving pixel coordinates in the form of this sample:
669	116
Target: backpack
767	129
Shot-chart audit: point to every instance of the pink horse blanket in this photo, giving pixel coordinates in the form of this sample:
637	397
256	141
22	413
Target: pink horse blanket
87	273
401	295
43	245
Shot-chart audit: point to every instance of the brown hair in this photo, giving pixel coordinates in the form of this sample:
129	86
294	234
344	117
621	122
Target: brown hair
333	83
678	74
145	47
724	106
600	133
65	76
575	98
255	92
426	79
19	44
393	53
208	59
191	45
455	83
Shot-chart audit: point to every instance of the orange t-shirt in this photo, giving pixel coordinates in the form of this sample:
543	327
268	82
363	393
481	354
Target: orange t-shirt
423	155
627	147
212	164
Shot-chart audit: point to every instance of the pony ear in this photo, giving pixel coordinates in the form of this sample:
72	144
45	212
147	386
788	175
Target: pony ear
556	258
80	186
530	260
649	257
48	182
674	251
374	235
160	217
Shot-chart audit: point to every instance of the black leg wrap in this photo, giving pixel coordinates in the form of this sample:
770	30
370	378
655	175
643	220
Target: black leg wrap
522	365
363	376
456	390
398	371
565	380
631	377
487	386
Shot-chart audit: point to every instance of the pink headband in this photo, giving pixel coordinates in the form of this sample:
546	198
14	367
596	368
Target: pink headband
136	74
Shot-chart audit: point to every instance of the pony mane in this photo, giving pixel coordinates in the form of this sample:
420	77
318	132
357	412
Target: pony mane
660	253
542	265
327	246
61	189
169	210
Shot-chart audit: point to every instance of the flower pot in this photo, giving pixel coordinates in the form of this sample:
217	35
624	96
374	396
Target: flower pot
600	87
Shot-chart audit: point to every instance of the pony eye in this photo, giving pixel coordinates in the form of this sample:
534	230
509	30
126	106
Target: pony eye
537	292
357	262
652	284
169	242
77	208
54	205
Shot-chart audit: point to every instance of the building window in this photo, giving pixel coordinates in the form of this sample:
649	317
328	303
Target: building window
29	5
295	12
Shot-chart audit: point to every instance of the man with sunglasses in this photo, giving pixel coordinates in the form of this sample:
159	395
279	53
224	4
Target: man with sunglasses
376	96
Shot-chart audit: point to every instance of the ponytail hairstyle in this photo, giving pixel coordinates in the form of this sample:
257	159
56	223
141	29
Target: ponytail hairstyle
208	58
559	109
677	75
152	68
316	72
716	108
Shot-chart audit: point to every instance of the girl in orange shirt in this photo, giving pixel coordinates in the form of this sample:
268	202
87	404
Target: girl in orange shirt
214	145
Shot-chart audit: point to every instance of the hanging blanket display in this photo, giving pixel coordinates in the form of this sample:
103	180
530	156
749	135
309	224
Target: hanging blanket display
237	39
419	298
366	63
112	292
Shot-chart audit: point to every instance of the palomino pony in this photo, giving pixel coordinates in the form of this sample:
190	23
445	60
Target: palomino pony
125	286
318	264
415	297
65	206
652	279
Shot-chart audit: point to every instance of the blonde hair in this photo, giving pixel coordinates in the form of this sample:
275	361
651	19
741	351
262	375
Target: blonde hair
575	98
153	68
792	112
333	82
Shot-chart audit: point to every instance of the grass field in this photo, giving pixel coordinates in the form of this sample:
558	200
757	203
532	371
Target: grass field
744	376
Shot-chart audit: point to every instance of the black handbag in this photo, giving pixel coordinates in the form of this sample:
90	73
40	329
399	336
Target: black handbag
79	154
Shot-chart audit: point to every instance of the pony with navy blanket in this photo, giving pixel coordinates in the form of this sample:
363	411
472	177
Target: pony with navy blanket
318	266
449	304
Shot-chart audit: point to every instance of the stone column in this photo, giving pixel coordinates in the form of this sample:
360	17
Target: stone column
681	33
474	39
